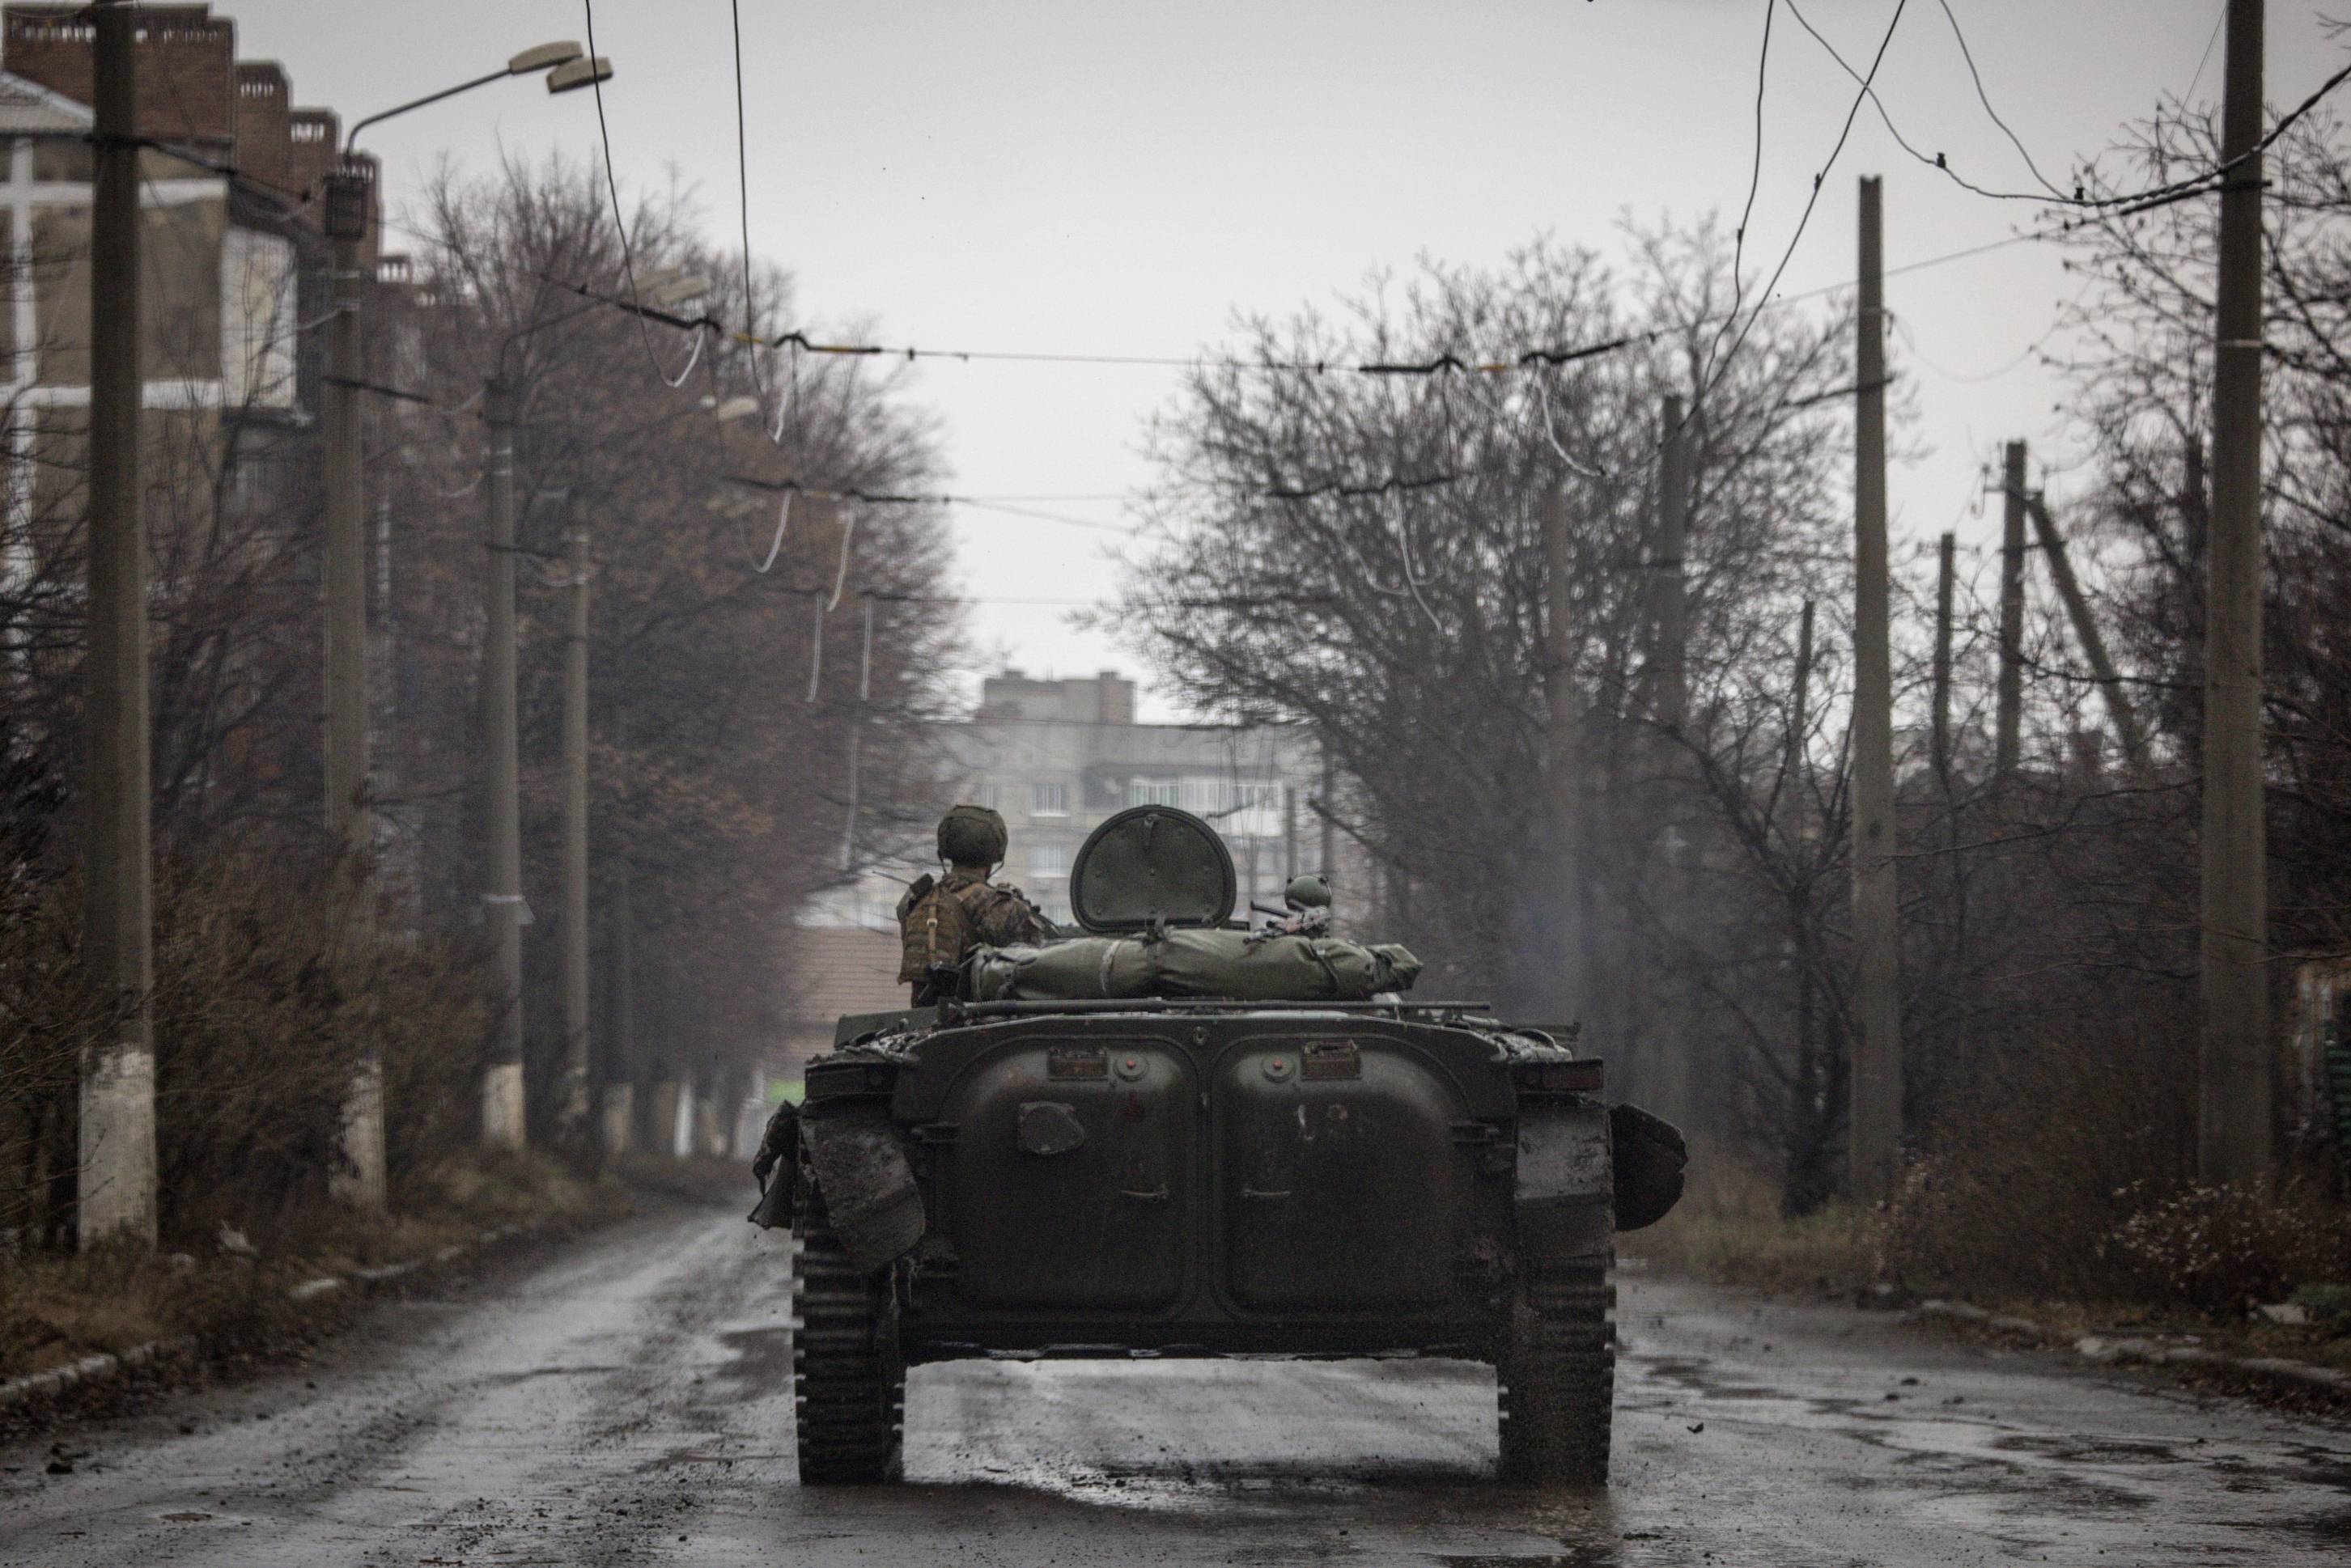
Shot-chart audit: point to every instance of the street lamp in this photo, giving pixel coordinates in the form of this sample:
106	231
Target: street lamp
349	821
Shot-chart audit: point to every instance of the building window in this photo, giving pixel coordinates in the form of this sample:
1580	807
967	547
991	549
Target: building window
1049	862
1154	792
1048	800
1259	797
986	795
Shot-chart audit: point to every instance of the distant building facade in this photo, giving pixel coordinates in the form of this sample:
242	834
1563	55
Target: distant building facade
1057	757
234	284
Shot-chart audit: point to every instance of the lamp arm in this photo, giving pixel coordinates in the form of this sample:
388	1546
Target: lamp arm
351	141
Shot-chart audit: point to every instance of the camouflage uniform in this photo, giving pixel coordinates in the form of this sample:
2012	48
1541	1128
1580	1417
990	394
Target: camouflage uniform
942	919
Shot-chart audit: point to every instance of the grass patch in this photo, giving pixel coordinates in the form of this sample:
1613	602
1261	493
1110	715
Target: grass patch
1727	1228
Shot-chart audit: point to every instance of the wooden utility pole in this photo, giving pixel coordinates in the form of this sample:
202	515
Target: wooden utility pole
502	1084
2233	1120
2010	715
1942	728
2086	630
573	1099
1875	1118
115	1192
1563	769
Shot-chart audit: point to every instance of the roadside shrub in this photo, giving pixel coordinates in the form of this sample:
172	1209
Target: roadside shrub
263	1010
2047	1149
432	1024
257	1038
2220	1248
44	1020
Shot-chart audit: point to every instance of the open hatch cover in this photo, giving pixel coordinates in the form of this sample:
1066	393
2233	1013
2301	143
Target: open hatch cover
1151	865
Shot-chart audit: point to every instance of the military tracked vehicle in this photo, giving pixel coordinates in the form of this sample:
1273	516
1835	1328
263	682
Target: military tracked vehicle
1175	1135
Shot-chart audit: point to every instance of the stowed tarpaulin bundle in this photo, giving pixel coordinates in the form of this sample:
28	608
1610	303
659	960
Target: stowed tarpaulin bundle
1153	888
1191	962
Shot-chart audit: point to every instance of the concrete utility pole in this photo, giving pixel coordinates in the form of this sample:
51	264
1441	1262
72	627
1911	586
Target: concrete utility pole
619	1096
502	1084
350	819
2233	1120
1563	769
347	817
115	1191
2085	632
1791	762
571	1107
1330	866
1942	730
2008	715
1672	581
1697	1087
2196	528
1289	831
1874	1120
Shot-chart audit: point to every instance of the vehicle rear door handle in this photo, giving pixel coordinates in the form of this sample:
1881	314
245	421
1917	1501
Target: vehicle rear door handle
1249	1191
1156	1195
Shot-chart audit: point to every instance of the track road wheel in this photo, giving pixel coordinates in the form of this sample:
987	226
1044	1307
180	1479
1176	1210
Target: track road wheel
848	1383
1557	1374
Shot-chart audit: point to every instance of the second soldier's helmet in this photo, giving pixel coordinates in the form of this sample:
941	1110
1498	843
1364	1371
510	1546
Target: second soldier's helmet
972	835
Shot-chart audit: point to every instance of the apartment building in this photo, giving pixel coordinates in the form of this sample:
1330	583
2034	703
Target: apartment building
232	264
1056	756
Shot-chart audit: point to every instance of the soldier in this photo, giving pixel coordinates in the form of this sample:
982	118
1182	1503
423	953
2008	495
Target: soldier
941	918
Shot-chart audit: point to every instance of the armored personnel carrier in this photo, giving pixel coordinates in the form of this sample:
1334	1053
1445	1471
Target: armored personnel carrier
1175	1135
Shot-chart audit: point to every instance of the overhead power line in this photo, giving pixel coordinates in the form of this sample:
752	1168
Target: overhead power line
620	222
1754	180
1985	99
2122	203
1811	201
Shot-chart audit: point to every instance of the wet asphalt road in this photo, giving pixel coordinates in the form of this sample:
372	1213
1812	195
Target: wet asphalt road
628	1401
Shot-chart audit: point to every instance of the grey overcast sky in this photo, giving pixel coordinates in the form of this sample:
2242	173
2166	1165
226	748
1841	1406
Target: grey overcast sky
1120	177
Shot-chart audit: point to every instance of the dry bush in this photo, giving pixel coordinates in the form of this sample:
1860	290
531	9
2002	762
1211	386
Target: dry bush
2218	1248
1731	1226
261	1015
45	1019
257	1039
2038	1155
432	1023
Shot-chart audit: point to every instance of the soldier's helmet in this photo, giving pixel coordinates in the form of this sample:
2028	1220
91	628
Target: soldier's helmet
972	835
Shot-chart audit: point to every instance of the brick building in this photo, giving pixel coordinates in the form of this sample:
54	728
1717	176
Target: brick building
234	272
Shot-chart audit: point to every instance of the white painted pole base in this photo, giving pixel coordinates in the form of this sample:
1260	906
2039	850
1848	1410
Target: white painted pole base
680	1132
116	1187
362	1185
502	1107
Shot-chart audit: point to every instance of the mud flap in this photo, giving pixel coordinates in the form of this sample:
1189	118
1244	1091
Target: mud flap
778	1171
1650	1158
869	1188
1565	1198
